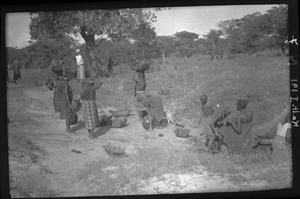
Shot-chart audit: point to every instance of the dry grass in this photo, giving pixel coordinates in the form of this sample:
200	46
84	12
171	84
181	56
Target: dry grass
31	185
25	181
128	171
263	79
255	167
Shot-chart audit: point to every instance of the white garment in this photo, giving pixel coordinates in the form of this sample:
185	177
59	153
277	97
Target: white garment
282	129
79	59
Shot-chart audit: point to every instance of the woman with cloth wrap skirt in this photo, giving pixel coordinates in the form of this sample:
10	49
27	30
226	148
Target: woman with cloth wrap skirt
90	113
57	71
65	108
139	93
80	67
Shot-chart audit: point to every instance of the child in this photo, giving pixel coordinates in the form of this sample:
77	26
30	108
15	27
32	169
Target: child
211	126
207	109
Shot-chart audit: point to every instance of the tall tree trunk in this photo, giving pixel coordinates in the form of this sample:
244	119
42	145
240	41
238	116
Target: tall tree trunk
95	65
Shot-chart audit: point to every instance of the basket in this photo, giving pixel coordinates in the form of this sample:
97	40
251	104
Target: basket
181	132
140	67
119	122
121	113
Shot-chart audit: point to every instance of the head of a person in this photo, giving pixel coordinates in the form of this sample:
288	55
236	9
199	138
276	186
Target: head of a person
203	99
241	104
77	52
227	111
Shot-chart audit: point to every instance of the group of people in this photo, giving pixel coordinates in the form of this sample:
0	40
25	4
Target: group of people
65	104
219	129
236	132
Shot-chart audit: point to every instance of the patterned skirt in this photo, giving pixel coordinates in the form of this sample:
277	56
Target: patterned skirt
90	114
80	72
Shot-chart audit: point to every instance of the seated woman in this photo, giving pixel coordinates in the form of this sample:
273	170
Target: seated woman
238	134
155	109
281	144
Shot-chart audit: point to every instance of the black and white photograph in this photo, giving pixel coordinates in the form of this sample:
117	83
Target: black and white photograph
115	101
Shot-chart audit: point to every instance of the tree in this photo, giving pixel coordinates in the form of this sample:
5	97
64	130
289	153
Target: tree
165	46
186	43
214	44
41	53
232	32
94	26
200	46
276	25
144	40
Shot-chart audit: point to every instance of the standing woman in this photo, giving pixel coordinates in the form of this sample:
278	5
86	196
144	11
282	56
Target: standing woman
66	111
57	71
80	67
90	113
139	88
139	93
110	66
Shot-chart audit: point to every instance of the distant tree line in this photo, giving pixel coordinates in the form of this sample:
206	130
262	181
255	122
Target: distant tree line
126	33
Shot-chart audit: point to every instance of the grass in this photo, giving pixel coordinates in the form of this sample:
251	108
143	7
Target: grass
27	182
31	185
130	170
255	167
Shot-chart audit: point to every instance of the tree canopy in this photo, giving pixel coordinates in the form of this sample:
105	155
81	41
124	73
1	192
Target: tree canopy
92	25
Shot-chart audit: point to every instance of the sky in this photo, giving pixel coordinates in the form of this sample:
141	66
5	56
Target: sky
197	19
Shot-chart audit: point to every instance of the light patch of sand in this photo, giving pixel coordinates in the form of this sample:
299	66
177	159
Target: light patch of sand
195	182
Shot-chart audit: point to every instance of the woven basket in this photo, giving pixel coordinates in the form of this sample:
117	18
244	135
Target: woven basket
140	67
121	113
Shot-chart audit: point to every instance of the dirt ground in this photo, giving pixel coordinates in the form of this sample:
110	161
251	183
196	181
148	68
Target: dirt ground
30	111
